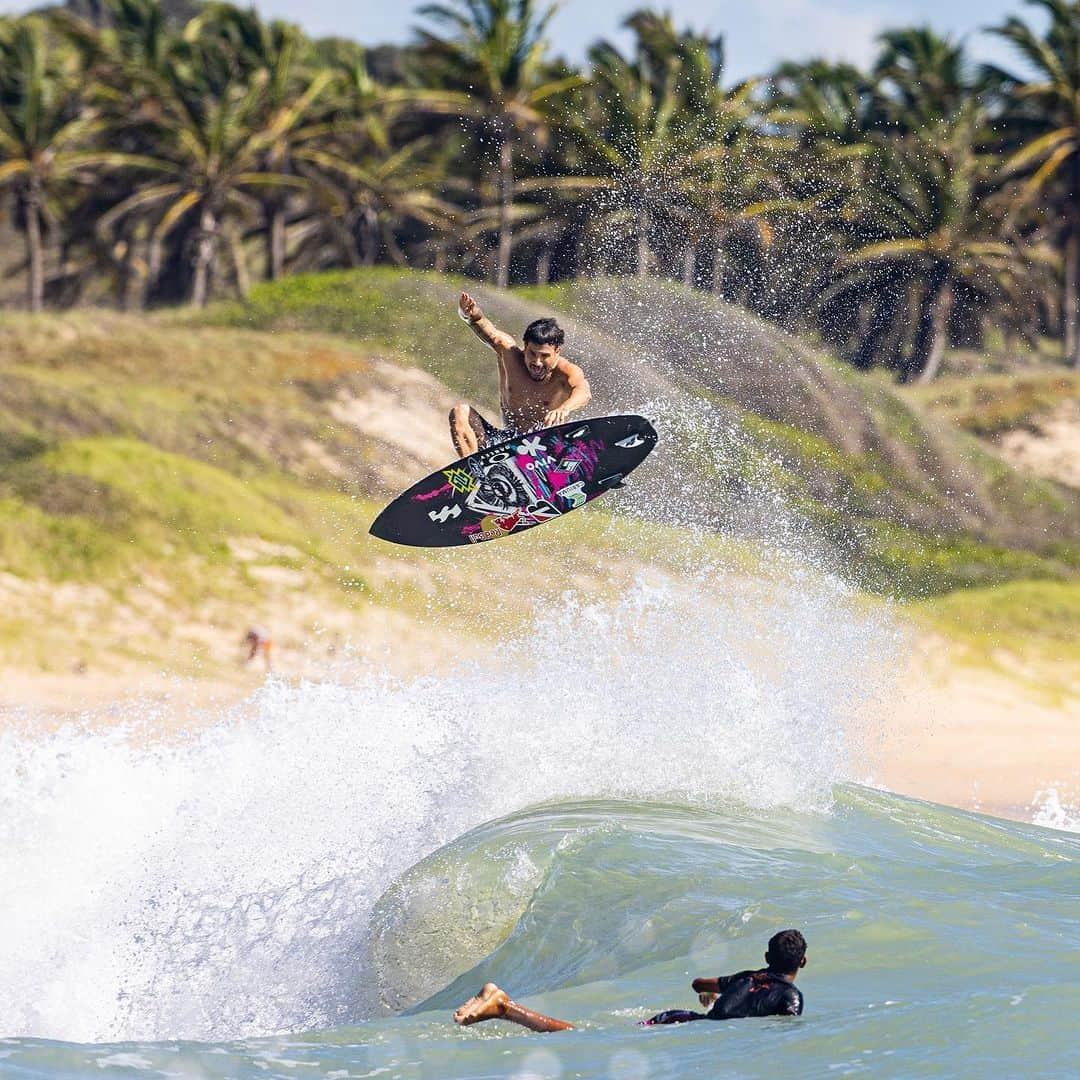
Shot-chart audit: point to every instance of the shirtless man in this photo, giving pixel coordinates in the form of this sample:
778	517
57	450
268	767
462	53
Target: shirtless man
768	992
537	386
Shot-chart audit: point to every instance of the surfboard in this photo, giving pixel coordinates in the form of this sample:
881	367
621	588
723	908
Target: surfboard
513	486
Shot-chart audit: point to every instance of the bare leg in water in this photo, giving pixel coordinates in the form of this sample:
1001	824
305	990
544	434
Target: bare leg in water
494	1004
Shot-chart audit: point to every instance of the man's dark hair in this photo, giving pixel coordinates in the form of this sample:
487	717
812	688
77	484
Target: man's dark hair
786	951
544	332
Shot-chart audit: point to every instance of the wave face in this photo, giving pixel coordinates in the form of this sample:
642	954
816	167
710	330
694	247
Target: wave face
941	944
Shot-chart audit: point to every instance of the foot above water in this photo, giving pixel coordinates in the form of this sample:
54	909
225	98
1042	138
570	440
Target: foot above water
489	1004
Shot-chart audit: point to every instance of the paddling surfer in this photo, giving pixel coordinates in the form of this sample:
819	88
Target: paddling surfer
768	992
538	387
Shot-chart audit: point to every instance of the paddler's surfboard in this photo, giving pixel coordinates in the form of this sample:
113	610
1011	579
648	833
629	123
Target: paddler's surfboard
506	489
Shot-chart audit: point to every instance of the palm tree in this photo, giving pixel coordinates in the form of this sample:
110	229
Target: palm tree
852	124
724	179
119	41
276	54
47	135
495	58
933	237
214	124
822	116
921	77
369	184
364	205
824	105
650	135
1046	115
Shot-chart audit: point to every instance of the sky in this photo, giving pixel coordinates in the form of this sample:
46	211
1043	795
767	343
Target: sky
758	33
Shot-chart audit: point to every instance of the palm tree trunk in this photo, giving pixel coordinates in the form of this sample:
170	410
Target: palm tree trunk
543	265
589	256
892	348
689	265
275	243
882	320
506	206
718	260
932	336
643	244
369	236
236	249
347	242
153	270
34	252
204	256
130	278
1070	301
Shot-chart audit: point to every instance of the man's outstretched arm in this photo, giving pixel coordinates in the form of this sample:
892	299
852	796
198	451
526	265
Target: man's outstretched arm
580	393
711	986
483	327
708	990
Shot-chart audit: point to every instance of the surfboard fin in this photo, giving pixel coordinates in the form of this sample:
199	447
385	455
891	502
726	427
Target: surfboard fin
613	481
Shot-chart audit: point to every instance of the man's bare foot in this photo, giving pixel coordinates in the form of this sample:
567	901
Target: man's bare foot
489	1004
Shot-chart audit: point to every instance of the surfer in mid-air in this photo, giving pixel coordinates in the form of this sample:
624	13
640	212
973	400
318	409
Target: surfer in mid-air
768	992
538	387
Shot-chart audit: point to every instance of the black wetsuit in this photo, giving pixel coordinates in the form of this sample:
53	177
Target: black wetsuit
748	993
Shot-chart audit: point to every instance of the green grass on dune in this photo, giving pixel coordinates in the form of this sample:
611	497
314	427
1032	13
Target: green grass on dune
136	446
1043	612
107	508
1026	630
857	502
235	398
408	314
989	405
904	563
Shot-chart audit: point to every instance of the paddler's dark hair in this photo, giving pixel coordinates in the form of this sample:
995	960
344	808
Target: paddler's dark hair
786	952
544	332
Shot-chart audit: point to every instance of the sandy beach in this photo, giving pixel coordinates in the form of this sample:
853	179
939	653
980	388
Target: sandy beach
976	740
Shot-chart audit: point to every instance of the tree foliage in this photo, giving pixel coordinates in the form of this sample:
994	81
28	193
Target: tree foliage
154	151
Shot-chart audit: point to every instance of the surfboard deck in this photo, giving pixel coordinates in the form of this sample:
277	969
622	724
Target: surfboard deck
513	486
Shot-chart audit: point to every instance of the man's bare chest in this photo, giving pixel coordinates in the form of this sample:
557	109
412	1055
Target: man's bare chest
524	392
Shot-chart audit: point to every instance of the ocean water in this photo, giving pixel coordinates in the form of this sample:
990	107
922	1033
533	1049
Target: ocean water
309	885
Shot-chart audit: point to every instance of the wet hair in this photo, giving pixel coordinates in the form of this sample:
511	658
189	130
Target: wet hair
544	332
786	951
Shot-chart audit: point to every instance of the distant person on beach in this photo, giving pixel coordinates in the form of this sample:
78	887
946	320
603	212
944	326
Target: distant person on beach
259	644
538	387
768	992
